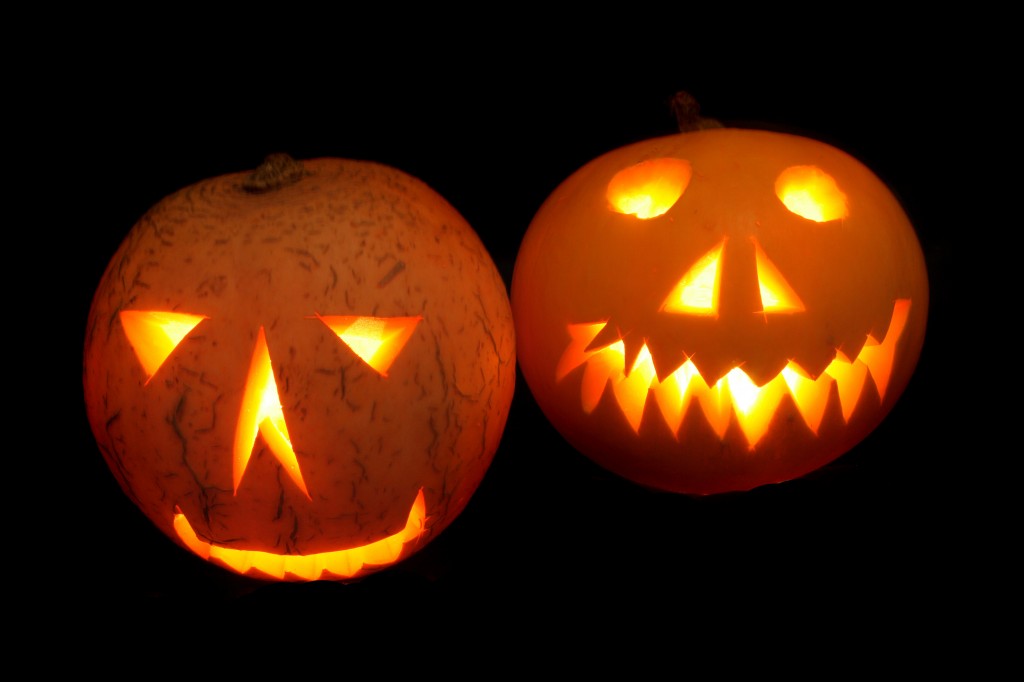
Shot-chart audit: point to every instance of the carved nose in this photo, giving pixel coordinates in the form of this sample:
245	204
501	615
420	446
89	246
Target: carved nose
751	283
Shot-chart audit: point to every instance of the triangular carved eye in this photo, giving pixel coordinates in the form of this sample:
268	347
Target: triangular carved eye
376	340
154	335
697	292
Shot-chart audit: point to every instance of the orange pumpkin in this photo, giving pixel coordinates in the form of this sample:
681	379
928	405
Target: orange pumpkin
719	309
302	372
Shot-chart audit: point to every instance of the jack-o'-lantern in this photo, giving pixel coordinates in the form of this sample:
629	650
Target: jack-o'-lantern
302	372
720	308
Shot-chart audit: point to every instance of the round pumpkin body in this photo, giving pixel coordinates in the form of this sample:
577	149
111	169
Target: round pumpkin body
305	379
717	310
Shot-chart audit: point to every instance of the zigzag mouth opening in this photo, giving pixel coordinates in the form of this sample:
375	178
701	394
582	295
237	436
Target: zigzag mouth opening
333	565
734	394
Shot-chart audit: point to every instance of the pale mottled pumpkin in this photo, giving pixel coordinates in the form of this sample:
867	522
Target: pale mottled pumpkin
303	372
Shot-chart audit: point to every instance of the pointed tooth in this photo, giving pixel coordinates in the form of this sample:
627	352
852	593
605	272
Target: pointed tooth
666	358
633	345
608	335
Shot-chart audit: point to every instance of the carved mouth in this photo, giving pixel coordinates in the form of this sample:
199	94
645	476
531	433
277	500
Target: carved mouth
735	393
343	563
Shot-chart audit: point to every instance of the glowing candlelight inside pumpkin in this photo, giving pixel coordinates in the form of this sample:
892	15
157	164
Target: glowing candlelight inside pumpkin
649	188
271	439
735	393
261	412
811	193
342	563
154	335
747	272
376	340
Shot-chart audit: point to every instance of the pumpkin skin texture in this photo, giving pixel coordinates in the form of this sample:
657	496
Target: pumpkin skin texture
754	323
388	335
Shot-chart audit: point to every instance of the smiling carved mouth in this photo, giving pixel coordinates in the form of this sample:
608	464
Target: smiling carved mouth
735	393
343	563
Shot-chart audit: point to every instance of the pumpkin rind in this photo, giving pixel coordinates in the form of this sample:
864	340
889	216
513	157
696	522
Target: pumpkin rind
581	261
350	238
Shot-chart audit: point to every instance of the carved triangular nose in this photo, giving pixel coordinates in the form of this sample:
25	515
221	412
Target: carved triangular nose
752	283
262	413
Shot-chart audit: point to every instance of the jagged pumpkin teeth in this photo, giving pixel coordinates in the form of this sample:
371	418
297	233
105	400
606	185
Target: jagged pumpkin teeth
719	309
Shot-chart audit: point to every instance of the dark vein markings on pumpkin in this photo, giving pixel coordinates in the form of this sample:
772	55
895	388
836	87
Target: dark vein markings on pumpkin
115	456
213	415
440	364
174	423
334	279
139	283
305	255
363	476
435	438
279	512
463	394
172	420
391	274
293	537
114	315
487	329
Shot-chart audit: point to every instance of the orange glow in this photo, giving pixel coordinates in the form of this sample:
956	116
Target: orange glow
697	292
343	563
154	335
261	412
600	364
811	193
810	395
875	357
376	340
776	294
631	390
649	188
734	394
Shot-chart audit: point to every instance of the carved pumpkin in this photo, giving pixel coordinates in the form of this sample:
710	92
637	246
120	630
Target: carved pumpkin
719	309
301	373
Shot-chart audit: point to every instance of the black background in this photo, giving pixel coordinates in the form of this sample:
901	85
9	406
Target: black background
494	126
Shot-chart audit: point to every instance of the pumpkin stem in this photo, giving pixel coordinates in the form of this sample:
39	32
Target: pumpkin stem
687	111
276	171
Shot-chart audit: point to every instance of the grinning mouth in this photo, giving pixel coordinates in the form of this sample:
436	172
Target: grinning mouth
343	563
733	394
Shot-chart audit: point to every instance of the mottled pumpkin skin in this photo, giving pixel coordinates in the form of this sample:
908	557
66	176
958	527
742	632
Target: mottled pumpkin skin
581	262
349	238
